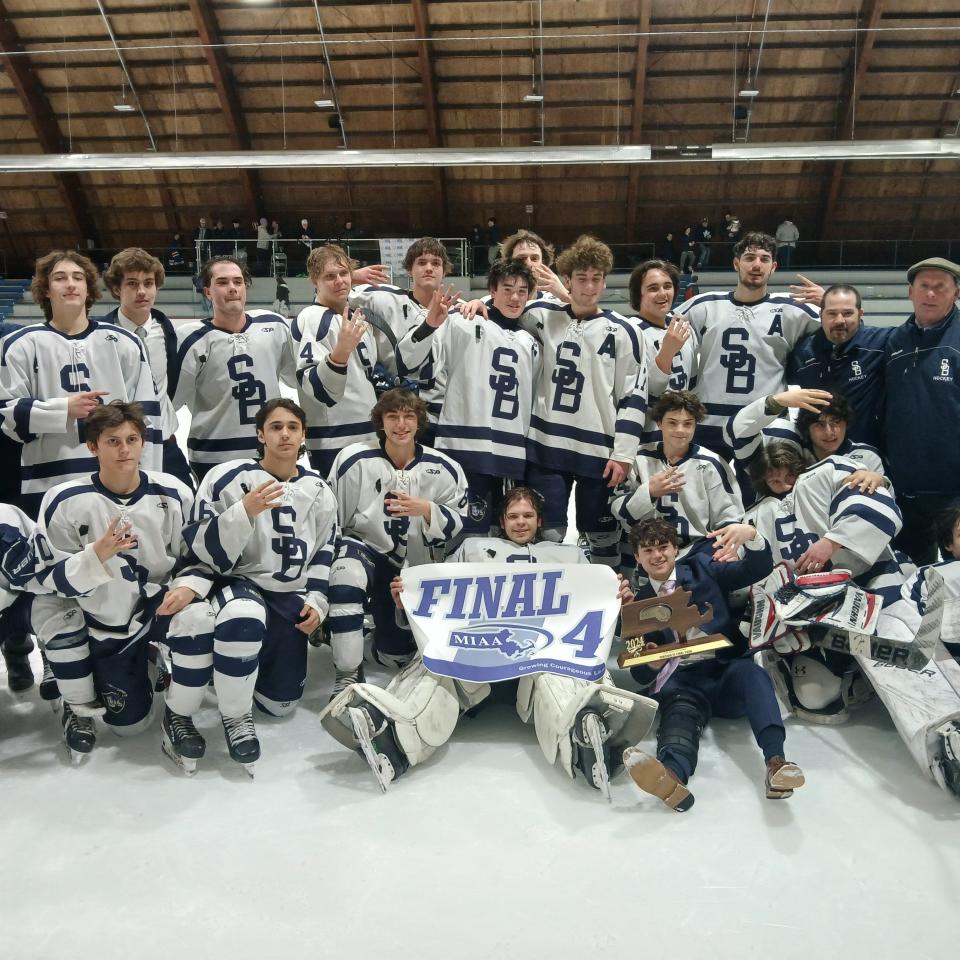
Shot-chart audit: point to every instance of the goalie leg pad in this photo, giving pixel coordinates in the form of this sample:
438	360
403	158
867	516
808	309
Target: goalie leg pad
553	702
421	708
947	769
683	714
815	691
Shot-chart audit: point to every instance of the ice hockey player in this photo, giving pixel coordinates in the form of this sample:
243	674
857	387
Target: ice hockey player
228	366
589	403
268	527
17	568
676	479
581	726
489	368
400	504
134	277
692	689
744	337
53	374
671	345
125	525
337	355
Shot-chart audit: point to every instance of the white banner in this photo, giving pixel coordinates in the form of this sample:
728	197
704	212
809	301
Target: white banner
392	252
486	622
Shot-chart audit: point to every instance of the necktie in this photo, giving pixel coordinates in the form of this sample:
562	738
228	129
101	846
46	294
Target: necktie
666	588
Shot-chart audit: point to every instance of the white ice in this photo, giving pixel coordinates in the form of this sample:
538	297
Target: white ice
483	852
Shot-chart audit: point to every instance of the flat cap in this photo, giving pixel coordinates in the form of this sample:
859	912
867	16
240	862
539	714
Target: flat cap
934	263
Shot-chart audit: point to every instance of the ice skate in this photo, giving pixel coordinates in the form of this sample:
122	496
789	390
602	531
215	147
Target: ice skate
49	690
344	679
242	742
79	734
782	778
593	753
377	744
19	673
181	742
947	772
651	776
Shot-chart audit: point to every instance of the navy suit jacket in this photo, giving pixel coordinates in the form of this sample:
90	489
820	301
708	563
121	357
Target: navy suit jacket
169	342
710	581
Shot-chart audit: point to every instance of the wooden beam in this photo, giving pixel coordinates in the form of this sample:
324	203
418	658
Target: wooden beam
38	111
871	12
209	32
428	80
636	113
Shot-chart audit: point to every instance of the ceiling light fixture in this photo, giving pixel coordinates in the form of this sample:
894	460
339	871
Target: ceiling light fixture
326	104
124	107
533	98
749	93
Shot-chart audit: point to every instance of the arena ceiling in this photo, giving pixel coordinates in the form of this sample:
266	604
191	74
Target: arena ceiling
482	76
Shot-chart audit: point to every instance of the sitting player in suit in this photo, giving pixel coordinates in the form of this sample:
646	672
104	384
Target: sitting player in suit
692	689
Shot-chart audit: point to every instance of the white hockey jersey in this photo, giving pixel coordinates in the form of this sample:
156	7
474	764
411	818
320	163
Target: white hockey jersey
710	497
752	428
682	376
363	478
818	507
489	368
40	367
22	567
74	515
501	550
590	402
225	378
333	424
743	347
288	548
388	306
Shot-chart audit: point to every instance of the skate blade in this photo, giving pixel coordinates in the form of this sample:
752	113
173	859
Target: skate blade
55	705
248	770
187	764
362	732
601	778
77	757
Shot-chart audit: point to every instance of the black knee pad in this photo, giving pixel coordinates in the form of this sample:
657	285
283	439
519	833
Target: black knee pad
683	715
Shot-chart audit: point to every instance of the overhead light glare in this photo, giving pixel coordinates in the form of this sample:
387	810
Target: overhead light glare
749	93
325	104
124	107
533	98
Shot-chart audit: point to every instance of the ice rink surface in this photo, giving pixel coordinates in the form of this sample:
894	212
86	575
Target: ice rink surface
483	852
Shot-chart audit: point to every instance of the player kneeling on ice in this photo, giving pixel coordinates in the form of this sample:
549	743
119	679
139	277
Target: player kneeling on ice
401	503
123	526
269	528
582	725
692	689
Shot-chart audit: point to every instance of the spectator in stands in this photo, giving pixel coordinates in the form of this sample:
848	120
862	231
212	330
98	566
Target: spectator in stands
264	246
787	236
493	239
668	248
703	234
350	232
732	233
846	356
234	235
303	247
922	387
688	251
201	234
176	262
478	245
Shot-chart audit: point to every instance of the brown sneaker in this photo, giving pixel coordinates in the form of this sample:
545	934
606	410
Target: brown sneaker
783	777
651	776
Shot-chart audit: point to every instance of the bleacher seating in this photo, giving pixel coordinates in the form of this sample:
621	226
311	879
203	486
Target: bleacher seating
884	293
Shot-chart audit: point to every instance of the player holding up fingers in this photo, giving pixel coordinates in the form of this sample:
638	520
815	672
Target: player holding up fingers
590	400
54	374
399	503
671	345
269	528
122	528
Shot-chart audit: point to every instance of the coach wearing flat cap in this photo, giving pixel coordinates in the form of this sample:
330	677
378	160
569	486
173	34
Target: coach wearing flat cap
921	421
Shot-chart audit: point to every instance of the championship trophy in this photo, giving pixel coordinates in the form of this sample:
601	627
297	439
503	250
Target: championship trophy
671	612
